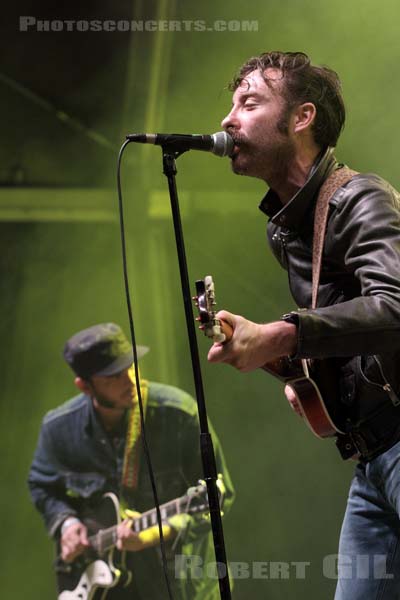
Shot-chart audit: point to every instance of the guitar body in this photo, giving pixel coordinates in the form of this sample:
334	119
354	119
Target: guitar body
315	384
91	575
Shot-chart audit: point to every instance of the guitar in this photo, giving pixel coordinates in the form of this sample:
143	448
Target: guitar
102	566
314	382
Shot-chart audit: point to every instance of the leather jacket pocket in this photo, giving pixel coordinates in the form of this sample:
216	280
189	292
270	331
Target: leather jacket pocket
369	370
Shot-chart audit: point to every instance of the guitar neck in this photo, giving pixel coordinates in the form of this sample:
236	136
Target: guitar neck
167	510
105	539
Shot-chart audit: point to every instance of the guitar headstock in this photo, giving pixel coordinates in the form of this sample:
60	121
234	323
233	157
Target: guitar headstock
205	302
196	497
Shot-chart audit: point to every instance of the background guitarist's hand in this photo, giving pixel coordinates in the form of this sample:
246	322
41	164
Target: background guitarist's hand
252	345
134	542
73	541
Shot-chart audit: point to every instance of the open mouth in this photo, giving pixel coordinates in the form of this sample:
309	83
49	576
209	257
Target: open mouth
235	151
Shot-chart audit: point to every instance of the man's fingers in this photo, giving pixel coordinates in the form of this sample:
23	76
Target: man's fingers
292	399
216	353
64	552
74	542
84	537
125	529
228	317
70	551
219	352
127	539
128	524
289	393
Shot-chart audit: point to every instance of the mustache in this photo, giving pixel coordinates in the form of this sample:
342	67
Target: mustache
237	137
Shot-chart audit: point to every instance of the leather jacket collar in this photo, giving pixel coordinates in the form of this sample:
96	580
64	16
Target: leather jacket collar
298	208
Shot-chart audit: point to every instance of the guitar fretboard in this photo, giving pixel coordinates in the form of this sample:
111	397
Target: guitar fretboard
169	509
105	539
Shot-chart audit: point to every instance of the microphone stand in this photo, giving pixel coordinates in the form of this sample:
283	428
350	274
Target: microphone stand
170	153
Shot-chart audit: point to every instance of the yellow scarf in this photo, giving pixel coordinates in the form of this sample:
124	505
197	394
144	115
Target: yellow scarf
130	468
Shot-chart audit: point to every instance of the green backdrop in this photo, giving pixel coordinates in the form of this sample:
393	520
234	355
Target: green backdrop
60	260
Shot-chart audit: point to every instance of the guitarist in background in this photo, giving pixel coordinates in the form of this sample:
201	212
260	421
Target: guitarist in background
286	117
91	445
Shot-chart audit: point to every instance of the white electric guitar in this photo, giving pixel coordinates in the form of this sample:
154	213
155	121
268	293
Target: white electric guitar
102	566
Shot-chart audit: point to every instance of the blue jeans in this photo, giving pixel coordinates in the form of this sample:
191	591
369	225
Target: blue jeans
369	548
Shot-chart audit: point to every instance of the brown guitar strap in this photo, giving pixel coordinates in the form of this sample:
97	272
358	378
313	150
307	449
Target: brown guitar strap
328	188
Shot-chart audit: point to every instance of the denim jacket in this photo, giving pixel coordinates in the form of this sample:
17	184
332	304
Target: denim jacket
75	460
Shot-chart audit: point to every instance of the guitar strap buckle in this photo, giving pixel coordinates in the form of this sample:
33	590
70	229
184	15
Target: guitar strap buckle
359	443
351	444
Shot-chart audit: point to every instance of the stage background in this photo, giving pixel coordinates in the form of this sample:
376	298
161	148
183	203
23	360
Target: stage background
67	100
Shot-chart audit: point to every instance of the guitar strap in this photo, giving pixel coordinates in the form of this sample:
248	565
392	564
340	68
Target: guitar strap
335	180
130	469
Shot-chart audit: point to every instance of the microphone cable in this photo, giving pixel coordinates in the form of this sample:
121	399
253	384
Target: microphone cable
133	339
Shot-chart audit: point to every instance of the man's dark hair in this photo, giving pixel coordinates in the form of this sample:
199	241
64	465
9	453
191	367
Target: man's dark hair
303	82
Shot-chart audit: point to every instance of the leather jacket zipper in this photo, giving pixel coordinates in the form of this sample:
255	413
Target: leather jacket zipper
386	387
283	237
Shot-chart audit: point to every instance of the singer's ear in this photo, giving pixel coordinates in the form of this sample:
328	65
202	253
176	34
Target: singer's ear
304	116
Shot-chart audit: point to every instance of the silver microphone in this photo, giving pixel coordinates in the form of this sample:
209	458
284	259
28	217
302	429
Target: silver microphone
220	143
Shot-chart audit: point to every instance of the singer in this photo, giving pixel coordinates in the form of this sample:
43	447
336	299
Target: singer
285	121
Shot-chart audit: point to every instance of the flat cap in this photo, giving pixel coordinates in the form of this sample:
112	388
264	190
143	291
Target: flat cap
102	349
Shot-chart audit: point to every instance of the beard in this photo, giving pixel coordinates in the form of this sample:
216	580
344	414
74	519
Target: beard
267	155
107	402
104	402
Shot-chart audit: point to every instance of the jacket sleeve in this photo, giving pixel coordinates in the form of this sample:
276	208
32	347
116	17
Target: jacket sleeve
364	234
46	484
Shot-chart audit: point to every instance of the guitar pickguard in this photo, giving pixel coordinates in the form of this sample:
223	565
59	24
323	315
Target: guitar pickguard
97	574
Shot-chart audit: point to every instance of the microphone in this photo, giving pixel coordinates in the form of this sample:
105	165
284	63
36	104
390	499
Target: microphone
219	143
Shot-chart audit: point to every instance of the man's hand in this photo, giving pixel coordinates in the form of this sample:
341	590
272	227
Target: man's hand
73	541
134	542
252	344
292	399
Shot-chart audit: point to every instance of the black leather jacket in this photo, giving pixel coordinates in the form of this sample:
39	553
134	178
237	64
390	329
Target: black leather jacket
357	321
